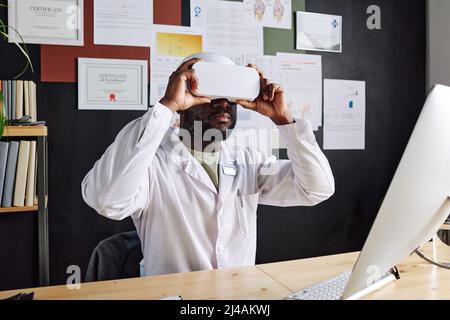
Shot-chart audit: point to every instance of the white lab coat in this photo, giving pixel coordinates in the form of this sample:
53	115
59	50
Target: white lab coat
184	223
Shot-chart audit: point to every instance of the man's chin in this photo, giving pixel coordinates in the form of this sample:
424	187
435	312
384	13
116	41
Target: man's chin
224	130
223	127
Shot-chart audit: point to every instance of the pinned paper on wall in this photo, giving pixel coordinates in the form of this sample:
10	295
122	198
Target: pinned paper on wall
225	30
170	45
345	114
123	22
301	77
318	32
269	13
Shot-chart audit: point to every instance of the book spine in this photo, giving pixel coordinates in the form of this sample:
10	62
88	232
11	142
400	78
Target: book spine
29	197
1	103
21	175
33	105
10	94
13	99
3	158
26	99
19	99
6	99
11	164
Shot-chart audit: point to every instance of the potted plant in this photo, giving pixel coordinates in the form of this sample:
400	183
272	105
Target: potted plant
28	64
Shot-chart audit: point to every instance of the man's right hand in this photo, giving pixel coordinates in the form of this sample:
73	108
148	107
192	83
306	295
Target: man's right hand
177	97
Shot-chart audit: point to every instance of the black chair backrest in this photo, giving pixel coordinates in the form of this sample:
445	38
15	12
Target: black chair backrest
116	257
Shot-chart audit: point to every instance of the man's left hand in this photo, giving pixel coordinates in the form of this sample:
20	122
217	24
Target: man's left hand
271	101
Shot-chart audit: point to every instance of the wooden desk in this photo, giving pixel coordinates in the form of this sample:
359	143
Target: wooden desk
229	284
419	280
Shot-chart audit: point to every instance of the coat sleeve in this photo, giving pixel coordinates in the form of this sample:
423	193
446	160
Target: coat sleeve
303	180
117	186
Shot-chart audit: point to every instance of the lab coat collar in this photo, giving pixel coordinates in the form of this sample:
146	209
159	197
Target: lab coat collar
177	153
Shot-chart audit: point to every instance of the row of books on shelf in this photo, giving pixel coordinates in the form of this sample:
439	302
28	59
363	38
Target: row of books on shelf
18	173
19	99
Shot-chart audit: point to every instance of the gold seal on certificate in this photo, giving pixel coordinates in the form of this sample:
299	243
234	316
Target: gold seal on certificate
112	84
58	22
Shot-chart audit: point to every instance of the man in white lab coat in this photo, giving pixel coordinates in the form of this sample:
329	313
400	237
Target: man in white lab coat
194	200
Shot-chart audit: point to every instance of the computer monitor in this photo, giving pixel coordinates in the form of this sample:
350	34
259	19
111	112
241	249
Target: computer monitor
417	202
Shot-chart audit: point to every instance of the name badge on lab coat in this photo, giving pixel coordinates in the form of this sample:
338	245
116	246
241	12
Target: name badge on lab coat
229	171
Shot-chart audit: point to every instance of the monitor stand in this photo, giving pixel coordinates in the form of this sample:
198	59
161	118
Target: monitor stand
383	281
444	211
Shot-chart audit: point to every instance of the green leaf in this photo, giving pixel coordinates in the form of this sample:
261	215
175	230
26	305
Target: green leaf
3	29
24	50
25	47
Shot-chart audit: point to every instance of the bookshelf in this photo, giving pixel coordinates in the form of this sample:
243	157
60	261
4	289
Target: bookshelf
19	209
25	131
41	134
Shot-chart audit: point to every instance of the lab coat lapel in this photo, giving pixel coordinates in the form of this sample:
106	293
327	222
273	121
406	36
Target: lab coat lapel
177	152
195	170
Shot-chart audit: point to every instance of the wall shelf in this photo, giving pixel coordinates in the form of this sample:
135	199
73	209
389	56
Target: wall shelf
18	209
39	133
25	131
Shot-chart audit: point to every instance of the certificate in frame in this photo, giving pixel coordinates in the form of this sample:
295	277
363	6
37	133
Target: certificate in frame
112	84
57	22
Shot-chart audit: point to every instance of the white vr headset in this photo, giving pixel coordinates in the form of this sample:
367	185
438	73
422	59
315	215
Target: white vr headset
218	80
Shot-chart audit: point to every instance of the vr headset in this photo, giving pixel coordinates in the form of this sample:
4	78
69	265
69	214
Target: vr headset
221	81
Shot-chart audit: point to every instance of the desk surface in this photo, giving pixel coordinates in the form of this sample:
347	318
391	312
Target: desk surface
228	284
419	280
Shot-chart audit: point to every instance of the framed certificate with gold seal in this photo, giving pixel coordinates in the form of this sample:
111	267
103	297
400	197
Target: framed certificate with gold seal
112	84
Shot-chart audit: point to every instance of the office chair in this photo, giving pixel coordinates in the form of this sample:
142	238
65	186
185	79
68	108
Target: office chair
116	257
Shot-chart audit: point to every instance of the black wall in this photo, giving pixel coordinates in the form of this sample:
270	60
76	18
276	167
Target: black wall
391	60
